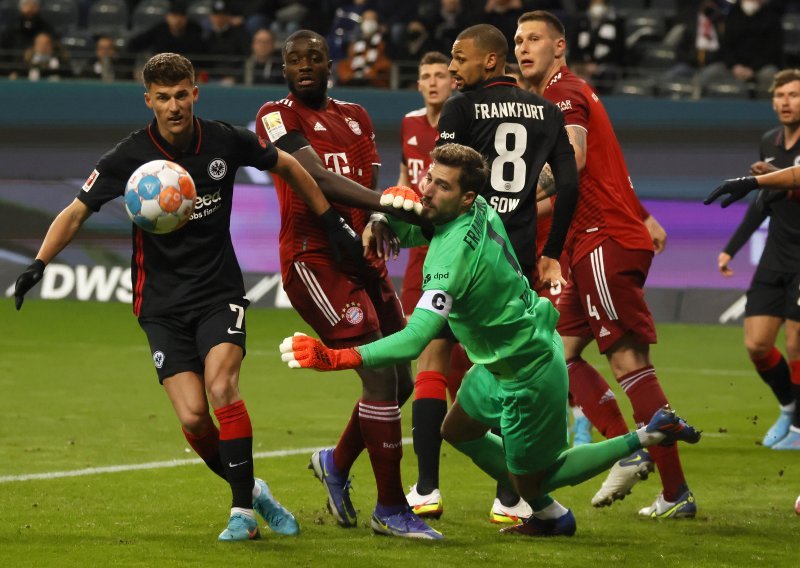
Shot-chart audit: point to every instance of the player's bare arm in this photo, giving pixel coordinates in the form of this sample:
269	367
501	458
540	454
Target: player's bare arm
301	182
577	137
61	232
63	229
546	186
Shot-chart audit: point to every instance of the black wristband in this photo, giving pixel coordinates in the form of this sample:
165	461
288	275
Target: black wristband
331	219
38	264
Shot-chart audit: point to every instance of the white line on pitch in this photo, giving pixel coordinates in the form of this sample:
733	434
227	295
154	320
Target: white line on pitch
149	465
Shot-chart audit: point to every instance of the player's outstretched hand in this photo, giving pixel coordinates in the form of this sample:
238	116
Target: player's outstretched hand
303	352
401	198
343	239
27	280
735	189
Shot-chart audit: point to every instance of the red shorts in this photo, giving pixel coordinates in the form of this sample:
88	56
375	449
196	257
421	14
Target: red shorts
344	309
411	291
605	297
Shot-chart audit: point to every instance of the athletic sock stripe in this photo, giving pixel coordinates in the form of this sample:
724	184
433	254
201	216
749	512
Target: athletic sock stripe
598	270
316	293
627	383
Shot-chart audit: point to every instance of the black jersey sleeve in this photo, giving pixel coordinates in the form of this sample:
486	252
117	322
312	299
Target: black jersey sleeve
750	223
107	180
255	151
565	173
454	122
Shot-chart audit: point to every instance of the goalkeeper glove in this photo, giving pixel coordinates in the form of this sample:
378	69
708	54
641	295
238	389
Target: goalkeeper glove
735	189
303	352
400	197
342	237
27	280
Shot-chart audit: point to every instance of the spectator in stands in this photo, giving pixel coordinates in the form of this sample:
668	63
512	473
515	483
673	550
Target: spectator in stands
45	59
447	22
395	16
699	45
21	30
264	66
503	14
599	46
106	65
367	63
752	45
176	34
227	44
345	28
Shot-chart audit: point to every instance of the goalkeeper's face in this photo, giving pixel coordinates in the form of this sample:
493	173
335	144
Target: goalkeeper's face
442	197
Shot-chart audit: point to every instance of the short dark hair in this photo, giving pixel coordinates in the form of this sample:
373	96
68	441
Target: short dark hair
434	57
783	77
305	34
474	171
167	69
488	38
544	16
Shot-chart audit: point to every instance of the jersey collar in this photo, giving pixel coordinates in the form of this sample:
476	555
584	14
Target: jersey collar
503	80
557	76
168	149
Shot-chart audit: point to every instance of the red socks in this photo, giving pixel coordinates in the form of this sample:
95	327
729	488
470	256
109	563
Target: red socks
591	392
380	428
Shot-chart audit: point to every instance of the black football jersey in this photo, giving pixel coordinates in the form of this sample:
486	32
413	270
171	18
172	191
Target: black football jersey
517	132
782	249
195	265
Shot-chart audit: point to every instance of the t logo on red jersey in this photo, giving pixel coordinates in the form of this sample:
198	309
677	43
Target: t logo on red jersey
415	170
337	163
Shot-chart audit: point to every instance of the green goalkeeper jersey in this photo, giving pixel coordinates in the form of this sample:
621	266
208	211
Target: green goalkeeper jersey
471	279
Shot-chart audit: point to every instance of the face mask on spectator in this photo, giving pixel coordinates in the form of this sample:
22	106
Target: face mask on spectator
750	7
369	27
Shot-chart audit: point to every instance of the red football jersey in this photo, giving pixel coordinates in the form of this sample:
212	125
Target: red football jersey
419	139
343	137
607	205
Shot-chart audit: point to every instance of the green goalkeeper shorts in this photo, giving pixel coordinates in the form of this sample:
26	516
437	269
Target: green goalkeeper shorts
529	406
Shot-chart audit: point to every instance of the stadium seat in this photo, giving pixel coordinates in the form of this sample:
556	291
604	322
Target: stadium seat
199	9
635	87
678	89
726	89
61	14
148	13
108	17
657	58
791	38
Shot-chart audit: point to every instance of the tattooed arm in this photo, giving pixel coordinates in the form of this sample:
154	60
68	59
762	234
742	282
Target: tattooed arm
577	137
546	186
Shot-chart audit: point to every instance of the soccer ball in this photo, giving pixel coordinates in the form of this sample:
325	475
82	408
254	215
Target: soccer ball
160	196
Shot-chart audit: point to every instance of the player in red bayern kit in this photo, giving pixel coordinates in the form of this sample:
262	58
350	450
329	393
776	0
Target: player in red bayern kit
610	249
346	303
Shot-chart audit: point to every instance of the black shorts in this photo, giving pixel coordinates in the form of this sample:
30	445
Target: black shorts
180	342
774	293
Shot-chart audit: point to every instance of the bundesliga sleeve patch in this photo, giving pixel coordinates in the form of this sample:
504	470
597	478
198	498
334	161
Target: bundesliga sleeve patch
273	124
90	180
436	301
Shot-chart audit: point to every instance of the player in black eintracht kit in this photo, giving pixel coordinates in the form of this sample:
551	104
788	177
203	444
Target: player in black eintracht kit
773	298
188	288
517	132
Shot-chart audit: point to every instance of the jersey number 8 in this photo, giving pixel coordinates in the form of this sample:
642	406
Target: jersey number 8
506	155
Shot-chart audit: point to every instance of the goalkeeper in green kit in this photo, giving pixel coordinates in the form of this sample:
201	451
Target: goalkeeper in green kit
519	383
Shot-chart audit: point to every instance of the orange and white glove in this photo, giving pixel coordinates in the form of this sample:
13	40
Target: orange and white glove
303	352
400	197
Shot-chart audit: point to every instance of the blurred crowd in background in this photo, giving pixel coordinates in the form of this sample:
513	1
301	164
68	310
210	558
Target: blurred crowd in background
672	48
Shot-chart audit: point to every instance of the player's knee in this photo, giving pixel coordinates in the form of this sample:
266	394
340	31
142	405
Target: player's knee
223	390
757	348
195	423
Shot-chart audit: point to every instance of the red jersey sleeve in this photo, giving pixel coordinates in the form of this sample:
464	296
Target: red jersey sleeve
572	103
276	119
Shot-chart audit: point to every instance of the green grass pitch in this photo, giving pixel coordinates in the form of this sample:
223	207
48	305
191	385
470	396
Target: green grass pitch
79	391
